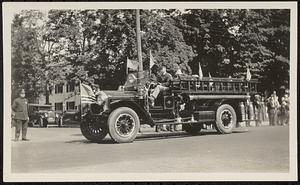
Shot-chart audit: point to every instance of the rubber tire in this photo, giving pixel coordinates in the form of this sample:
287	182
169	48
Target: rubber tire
219	126
87	134
111	125
45	124
192	129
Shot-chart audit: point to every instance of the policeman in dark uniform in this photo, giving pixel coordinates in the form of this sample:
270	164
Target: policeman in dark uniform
20	112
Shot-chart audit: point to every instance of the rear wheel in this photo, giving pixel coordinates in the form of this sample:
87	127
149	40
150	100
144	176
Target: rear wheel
225	119
123	125
192	129
92	129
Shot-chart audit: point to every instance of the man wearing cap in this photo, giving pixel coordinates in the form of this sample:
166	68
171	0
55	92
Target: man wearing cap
20	111
164	81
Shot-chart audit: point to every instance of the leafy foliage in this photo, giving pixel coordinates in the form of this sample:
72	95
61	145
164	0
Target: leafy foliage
92	45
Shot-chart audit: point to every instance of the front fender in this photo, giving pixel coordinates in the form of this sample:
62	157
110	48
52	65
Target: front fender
139	109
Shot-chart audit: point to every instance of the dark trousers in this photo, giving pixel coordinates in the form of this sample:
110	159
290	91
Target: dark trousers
21	124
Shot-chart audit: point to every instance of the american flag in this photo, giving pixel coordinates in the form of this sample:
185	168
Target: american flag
86	94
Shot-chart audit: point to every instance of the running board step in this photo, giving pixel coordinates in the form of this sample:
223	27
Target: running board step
174	121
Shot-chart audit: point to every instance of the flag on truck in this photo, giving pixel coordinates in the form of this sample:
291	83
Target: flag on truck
248	75
132	65
210	79
200	72
86	94
152	61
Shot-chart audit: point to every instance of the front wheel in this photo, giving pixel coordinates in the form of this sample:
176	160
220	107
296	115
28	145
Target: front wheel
225	119
92	129
123	125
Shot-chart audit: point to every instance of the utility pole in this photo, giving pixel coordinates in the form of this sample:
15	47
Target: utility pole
139	42
139	47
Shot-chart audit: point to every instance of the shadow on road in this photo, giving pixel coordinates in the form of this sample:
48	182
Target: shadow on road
150	136
85	141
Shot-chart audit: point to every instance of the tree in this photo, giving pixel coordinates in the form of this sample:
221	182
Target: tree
228	40
92	45
26	55
164	38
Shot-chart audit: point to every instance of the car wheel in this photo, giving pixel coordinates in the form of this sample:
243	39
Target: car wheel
225	119
123	124
92	130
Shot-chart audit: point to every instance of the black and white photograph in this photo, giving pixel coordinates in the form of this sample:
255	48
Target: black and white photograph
150	91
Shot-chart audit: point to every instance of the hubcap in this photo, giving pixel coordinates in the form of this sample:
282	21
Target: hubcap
125	125
226	118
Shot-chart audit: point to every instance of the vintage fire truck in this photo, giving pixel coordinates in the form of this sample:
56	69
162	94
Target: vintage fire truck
190	101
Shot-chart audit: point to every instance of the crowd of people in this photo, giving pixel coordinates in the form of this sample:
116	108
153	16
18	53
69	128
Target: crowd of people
272	110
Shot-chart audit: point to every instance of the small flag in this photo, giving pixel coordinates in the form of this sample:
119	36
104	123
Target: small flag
210	83
86	94
152	60
248	75
200	72
133	65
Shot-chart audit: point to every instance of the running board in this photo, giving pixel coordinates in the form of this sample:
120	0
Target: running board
174	121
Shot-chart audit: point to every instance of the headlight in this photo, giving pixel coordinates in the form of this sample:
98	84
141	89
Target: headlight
101	97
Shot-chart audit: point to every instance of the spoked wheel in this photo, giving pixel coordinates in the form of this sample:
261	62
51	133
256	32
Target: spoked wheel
123	124
92	129
225	119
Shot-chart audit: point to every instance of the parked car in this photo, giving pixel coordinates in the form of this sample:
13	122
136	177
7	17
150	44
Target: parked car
42	115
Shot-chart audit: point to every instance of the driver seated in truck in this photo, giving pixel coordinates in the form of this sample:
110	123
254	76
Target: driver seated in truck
164	82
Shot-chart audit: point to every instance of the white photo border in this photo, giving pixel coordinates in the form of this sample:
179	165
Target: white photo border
10	8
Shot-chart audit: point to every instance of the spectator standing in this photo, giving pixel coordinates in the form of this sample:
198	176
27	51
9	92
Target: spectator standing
286	108
258	110
20	112
273	105
282	113
247	111
264	109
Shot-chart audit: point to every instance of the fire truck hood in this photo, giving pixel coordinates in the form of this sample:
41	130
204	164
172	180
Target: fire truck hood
113	94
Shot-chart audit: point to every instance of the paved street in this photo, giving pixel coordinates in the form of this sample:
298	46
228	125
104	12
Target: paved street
260	149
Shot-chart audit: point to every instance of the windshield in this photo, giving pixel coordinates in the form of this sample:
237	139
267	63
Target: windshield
131	80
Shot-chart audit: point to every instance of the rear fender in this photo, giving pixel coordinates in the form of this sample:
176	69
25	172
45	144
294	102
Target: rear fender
141	112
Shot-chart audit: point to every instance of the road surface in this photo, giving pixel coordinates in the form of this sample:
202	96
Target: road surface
65	150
